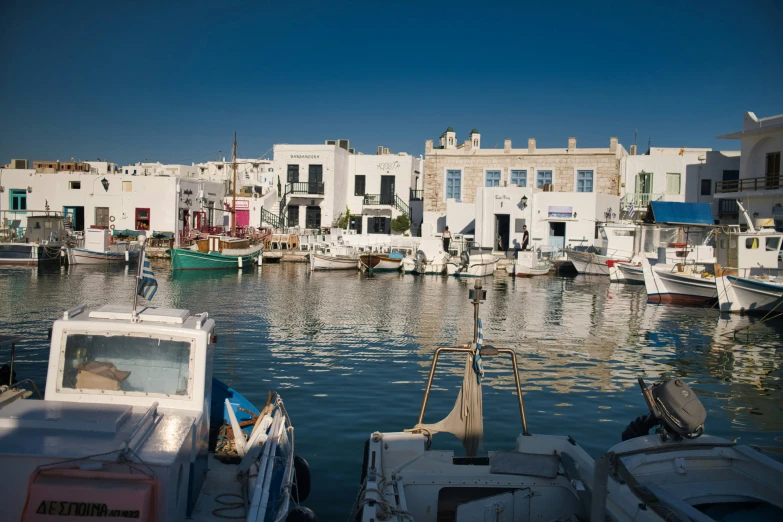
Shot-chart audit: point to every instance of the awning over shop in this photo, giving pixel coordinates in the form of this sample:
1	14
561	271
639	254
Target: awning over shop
675	213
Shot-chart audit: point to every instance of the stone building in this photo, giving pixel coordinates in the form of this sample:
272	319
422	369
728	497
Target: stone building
453	172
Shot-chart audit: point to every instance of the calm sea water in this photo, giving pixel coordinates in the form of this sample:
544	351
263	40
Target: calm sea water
350	354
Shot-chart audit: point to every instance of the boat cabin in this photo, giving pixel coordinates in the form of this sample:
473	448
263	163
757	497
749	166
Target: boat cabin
127	402
44	229
751	252
617	240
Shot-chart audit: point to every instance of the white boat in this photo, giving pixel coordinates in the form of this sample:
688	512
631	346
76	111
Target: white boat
626	272
675	475
429	258
528	264
617	244
391	262
679	284
592	263
128	423
99	251
748	277
334	258
472	264
39	244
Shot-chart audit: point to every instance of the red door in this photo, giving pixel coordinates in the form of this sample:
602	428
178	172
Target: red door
243	218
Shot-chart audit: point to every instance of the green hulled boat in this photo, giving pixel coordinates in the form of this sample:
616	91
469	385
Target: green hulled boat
185	259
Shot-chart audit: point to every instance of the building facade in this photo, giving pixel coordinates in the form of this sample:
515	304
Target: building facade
116	201
678	174
318	184
453	173
759	185
50	167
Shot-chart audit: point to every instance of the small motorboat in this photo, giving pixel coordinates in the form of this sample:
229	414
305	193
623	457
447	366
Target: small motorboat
391	262
429	258
334	258
528	264
681	283
472	262
37	244
99	250
626	272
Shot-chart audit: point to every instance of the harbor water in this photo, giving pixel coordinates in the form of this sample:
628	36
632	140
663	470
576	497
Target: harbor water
350	354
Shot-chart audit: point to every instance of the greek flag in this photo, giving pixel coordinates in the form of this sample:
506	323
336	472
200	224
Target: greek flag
478	366
630	208
147	285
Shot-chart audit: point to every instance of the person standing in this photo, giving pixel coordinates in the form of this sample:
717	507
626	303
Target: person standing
525	237
446	240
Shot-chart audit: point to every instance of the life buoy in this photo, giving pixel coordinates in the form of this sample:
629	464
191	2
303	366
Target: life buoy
111	227
111	218
301	489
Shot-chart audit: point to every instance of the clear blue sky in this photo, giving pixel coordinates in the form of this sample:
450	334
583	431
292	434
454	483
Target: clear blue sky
133	80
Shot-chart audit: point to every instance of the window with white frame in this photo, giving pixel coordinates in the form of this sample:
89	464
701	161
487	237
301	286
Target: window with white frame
519	178
454	184
543	177
492	178
584	180
672	183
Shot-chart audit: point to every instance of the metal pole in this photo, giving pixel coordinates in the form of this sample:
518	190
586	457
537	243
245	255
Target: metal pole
519	389
432	374
11	373
138	276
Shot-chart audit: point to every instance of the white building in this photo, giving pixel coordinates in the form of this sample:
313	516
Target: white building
320	183
160	169
677	174
103	167
116	201
558	219
759	183
257	174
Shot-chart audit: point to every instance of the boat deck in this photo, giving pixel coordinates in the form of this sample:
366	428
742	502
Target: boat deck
221	495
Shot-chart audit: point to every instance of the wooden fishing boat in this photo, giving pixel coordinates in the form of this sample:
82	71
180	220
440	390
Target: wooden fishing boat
98	250
334	258
215	253
381	262
528	264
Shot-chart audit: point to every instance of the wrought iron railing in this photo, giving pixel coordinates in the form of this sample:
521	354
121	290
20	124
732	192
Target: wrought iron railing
402	206
769	182
272	219
305	187
727	206
640	200
417	195
391	200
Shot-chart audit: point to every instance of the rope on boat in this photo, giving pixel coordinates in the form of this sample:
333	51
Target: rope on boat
230	506
381	502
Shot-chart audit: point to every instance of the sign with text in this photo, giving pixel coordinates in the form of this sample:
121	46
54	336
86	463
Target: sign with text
560	212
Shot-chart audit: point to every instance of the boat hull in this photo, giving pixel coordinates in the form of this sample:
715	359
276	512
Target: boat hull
746	295
478	266
517	270
380	263
626	273
590	263
324	262
664	285
25	254
184	259
81	256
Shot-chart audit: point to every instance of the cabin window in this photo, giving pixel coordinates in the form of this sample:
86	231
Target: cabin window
492	178
752	243
543	177
75	185
127	364
625	233
602	231
519	178
18	199
142	219
773	244
359	185
584	180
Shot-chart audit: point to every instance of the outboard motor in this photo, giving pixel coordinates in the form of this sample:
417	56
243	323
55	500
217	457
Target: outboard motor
464	259
421	261
674	406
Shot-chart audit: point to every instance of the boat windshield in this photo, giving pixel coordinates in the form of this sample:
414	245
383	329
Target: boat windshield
127	364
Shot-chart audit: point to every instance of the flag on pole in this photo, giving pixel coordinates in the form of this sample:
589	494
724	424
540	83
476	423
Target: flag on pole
630	208
147	285
478	366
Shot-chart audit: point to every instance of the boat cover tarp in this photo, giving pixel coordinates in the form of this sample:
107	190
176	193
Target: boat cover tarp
676	213
466	419
126	233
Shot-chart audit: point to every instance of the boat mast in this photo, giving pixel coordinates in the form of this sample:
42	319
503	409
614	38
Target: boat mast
234	192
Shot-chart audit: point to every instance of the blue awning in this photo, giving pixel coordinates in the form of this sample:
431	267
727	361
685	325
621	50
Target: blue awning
674	213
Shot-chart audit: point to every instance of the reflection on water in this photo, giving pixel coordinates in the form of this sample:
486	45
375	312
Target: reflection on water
350	354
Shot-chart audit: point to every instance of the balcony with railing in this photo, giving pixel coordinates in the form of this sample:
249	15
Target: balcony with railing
769	182
417	195
640	200
386	200
306	188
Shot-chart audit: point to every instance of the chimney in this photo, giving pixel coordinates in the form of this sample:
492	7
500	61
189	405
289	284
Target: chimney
633	150
613	144
531	145
506	146
427	146
571	144
386	151
380	150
